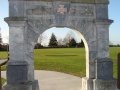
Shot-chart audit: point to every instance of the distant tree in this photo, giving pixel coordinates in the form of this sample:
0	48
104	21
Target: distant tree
118	45
81	44
72	42
53	41
60	42
38	46
0	40
41	38
111	44
69	36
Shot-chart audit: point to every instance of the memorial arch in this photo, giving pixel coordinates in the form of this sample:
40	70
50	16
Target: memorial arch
29	18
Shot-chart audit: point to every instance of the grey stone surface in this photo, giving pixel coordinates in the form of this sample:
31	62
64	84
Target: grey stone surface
89	18
104	69
17	73
87	84
19	87
102	11
16	8
104	84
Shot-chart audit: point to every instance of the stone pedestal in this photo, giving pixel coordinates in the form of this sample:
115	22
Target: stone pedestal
104	84
17	77
87	84
103	76
98	84
33	85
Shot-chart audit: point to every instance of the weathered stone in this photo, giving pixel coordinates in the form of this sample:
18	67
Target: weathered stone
104	69
87	84
16	8
17	74
100	84
20	87
29	18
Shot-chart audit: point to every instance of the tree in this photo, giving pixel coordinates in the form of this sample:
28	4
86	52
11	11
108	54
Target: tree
38	46
70	35
81	44
0	40
41	38
111	44
72	42
60	42
53	41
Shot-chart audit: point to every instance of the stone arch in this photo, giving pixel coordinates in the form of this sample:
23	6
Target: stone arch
28	18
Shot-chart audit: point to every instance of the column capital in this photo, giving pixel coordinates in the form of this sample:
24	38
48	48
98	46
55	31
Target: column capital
16	21
103	22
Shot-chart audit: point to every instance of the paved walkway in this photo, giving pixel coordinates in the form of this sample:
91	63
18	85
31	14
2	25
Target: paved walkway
50	80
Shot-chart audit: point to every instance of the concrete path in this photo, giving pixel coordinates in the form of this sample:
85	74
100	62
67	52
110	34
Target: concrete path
50	80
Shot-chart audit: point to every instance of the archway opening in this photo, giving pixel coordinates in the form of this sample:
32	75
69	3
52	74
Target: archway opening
62	57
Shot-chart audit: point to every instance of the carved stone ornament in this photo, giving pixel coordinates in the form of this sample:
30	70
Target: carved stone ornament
62	10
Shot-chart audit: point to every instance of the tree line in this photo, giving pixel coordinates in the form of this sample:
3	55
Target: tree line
68	41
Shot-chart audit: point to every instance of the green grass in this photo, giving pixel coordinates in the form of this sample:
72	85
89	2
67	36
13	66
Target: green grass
113	55
3	54
67	60
3	81
70	60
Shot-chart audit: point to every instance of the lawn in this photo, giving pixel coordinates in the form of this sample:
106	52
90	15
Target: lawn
67	60
113	55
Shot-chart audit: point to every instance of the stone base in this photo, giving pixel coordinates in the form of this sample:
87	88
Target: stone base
98	84
87	84
24	86
104	84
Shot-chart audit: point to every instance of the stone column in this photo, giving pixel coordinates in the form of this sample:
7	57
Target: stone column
18	66
104	65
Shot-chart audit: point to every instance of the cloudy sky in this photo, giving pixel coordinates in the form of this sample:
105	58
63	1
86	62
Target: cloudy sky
114	14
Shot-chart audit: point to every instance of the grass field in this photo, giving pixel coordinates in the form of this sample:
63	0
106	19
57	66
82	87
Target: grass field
68	60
